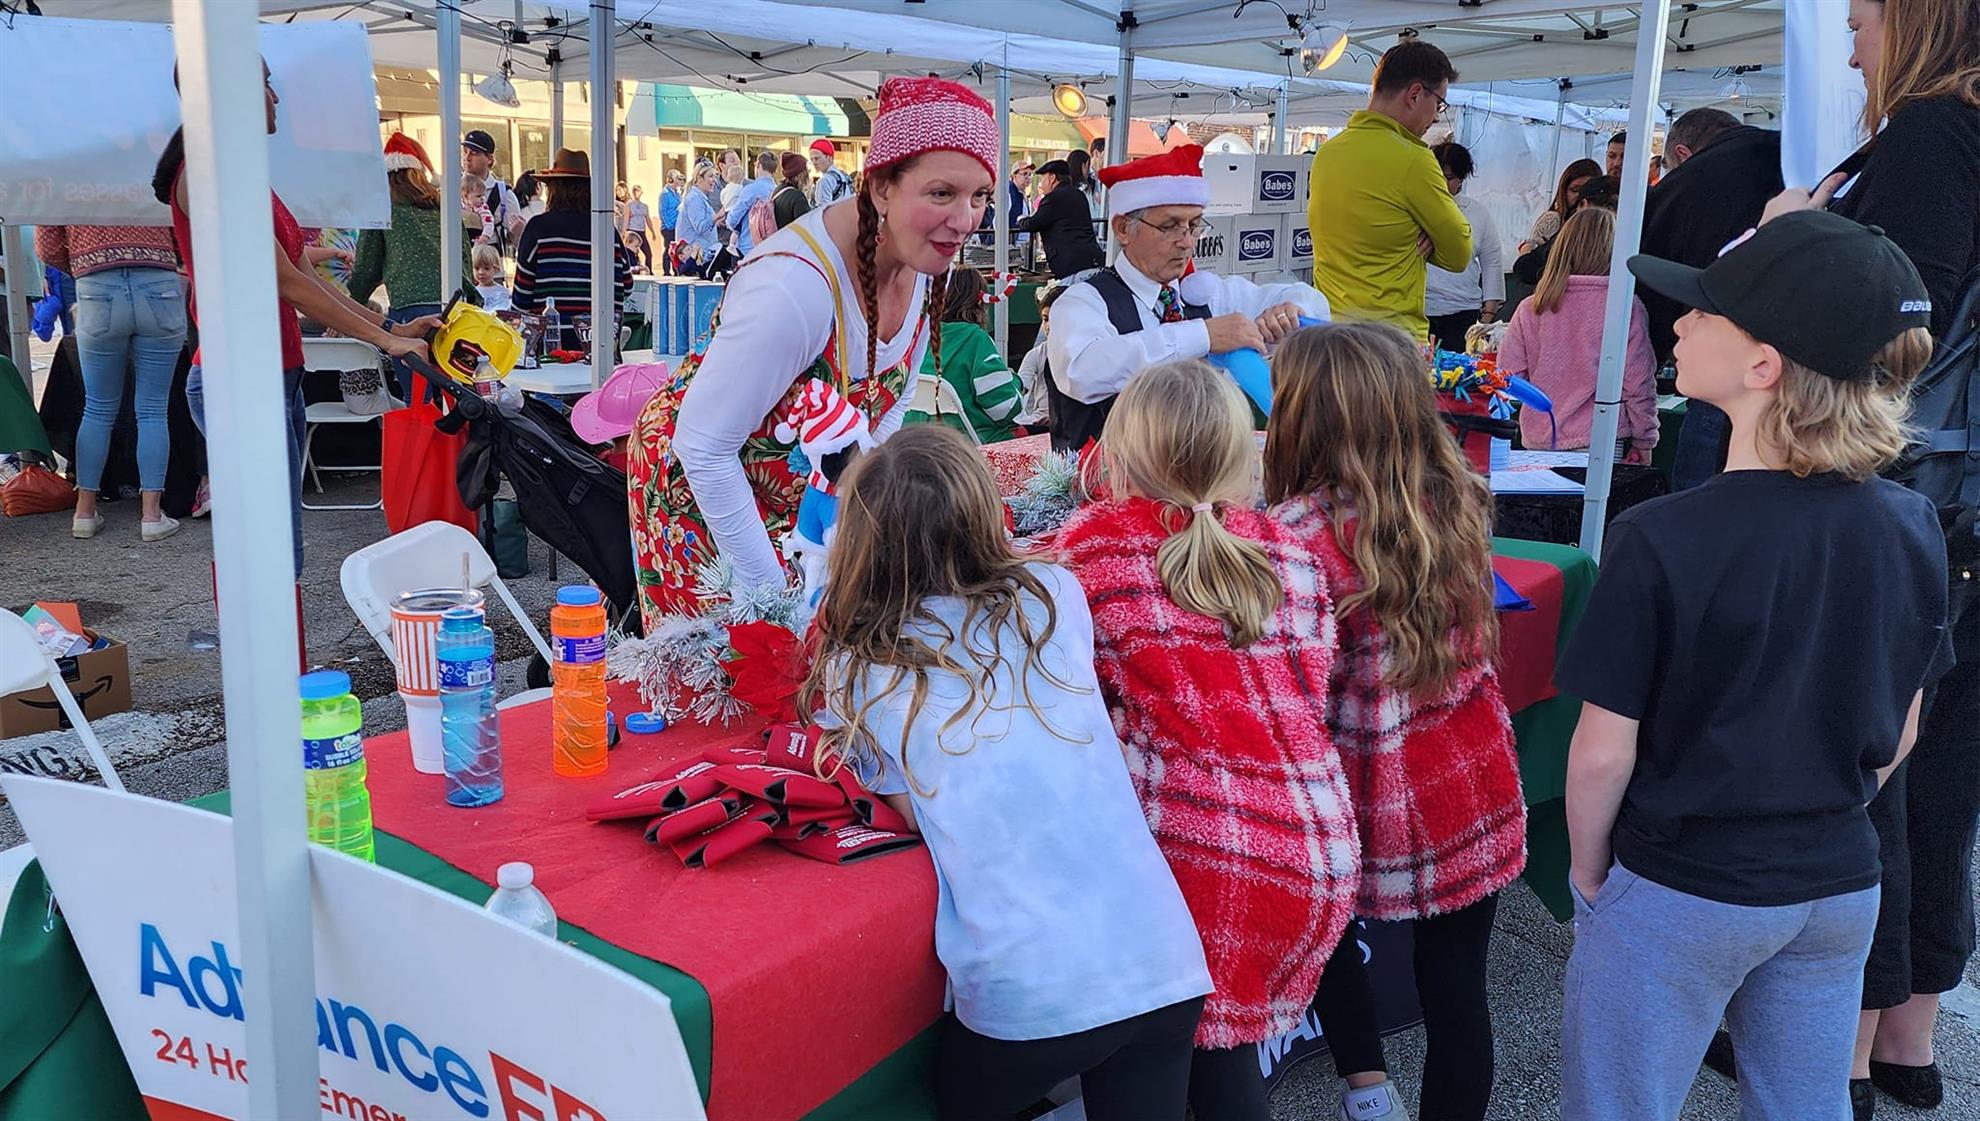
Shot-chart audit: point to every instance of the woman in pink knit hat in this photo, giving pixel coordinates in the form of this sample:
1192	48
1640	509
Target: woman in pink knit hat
843	294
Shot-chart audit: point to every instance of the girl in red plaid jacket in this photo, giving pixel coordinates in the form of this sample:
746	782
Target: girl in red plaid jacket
1214	642
1359	466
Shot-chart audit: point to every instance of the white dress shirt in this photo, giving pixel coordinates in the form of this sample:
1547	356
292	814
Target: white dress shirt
1091	361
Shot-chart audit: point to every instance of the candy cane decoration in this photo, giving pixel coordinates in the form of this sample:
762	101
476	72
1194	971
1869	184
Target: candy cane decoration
1000	289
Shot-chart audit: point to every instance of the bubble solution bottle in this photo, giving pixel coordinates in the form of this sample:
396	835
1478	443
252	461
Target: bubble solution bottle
577	697
334	794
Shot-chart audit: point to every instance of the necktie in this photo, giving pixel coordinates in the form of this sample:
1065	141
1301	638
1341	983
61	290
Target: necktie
1168	308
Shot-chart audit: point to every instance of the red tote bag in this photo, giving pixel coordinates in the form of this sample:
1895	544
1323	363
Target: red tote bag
419	481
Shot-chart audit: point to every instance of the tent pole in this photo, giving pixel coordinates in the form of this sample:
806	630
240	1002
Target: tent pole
1554	149
556	106
1002	195
20	302
1117	129
1644	90
604	173
1281	137
448	31
226	174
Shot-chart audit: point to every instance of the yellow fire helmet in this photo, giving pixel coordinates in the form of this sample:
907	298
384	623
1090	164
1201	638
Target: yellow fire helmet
467	334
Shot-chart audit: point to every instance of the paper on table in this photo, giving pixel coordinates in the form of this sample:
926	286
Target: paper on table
1533	481
1543	459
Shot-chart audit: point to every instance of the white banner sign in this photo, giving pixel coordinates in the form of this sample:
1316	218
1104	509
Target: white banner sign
95	107
427	1007
1821	97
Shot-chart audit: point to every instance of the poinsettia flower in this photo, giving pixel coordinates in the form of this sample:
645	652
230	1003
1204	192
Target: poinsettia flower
766	667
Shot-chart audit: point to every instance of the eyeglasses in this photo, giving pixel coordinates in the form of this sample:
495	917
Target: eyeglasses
1177	231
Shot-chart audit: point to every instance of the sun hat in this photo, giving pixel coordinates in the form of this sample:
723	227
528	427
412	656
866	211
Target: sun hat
569	164
919	115
611	410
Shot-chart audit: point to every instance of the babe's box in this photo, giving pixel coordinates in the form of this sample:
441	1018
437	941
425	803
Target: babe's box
1254	184
1215	252
1299	245
1259	244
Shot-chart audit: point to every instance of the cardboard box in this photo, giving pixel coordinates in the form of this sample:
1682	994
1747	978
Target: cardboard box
1299	244
1259	244
1214	250
100	680
1255	184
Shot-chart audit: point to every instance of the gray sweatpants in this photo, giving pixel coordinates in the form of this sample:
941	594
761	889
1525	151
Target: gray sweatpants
1654	969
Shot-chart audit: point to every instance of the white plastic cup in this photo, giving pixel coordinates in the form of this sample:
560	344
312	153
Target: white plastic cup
415	629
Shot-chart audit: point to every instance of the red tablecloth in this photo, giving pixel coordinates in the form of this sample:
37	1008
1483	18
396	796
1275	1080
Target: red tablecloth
1527	639
814	972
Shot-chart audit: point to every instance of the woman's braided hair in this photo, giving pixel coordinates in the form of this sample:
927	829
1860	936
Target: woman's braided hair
865	247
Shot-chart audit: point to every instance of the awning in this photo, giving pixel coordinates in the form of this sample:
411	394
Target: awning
659	105
1141	139
1054	134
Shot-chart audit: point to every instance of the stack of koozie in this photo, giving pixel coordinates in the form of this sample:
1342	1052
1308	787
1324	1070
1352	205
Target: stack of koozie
735	798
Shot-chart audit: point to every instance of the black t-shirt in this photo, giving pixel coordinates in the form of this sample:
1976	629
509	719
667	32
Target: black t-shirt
1769	633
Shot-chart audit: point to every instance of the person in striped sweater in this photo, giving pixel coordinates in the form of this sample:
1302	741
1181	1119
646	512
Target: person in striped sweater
963	354
1214	643
553	259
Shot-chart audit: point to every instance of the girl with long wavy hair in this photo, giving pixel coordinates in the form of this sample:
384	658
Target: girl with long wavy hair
957	678
848	295
1215	636
1359	467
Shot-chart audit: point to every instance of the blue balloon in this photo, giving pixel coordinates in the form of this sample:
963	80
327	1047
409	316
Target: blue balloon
1528	394
1253	374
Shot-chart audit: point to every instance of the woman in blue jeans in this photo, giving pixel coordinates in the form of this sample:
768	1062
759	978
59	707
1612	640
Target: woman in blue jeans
130	311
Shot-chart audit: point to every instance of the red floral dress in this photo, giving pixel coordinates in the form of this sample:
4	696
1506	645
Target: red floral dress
670	540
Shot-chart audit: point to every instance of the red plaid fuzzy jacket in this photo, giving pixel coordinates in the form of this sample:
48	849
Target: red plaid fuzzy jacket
1229	753
1435	782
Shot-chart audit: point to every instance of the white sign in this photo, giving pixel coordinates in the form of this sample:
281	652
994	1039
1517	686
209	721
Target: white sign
427	1007
103	109
1821	98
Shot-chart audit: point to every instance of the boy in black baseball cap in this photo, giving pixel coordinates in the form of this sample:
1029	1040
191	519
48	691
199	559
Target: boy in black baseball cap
1751	663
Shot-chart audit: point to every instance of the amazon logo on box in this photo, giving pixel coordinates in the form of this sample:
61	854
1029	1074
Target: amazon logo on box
1276	186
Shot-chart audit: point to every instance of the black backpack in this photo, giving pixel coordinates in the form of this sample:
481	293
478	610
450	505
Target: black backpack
1943	463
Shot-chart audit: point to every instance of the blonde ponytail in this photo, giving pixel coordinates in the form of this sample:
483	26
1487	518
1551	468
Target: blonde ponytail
1180	433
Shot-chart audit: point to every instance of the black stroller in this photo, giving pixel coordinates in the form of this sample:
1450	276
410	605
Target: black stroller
565	494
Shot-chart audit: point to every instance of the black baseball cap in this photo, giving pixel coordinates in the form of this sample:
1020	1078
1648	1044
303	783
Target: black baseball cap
480	141
1821	289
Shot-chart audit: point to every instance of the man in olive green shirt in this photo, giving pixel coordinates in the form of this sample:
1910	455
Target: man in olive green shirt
1380	207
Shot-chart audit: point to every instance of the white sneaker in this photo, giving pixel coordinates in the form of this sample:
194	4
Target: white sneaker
159	530
82	529
1379	1102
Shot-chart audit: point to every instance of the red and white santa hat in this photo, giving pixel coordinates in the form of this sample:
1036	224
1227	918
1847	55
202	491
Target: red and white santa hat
932	115
1174	178
822	422
403	153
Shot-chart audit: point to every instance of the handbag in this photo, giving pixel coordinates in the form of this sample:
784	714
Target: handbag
419	481
36	490
364	392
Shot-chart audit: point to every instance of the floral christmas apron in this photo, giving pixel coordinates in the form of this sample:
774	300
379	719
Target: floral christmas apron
670	540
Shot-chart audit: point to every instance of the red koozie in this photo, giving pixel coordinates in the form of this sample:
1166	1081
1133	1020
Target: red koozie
733	753
792	746
872	809
692	783
710	849
780	784
849	844
698	818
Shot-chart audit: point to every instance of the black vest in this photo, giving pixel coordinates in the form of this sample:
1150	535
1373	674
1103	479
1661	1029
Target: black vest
1076	422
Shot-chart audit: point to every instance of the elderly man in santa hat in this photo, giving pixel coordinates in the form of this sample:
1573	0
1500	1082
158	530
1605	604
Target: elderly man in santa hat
1123	319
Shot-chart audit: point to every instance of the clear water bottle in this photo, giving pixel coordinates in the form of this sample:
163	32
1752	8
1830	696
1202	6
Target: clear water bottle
334	793
553	327
517	900
471	741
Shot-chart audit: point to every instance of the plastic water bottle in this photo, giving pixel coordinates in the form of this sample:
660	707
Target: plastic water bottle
471	741
334	794
553	327
517	900
577	698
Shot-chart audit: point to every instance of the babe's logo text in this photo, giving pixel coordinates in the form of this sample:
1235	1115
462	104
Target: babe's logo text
1257	245
1276	186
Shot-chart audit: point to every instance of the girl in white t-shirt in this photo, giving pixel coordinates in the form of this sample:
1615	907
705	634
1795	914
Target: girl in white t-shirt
958	678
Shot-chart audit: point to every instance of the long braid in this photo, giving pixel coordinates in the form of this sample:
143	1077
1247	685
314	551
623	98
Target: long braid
937	302
864	249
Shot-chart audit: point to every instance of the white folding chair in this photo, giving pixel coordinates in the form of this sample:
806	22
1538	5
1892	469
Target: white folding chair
340	355
936	397
25	665
427	556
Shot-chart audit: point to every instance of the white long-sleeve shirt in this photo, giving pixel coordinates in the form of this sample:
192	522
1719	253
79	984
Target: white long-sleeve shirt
1484	276
776	321
1091	361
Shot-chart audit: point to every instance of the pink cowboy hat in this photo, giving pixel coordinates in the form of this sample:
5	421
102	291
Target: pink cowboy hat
611	410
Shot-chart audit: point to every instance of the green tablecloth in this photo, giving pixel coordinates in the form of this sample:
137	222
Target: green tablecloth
1544	731
1670	421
